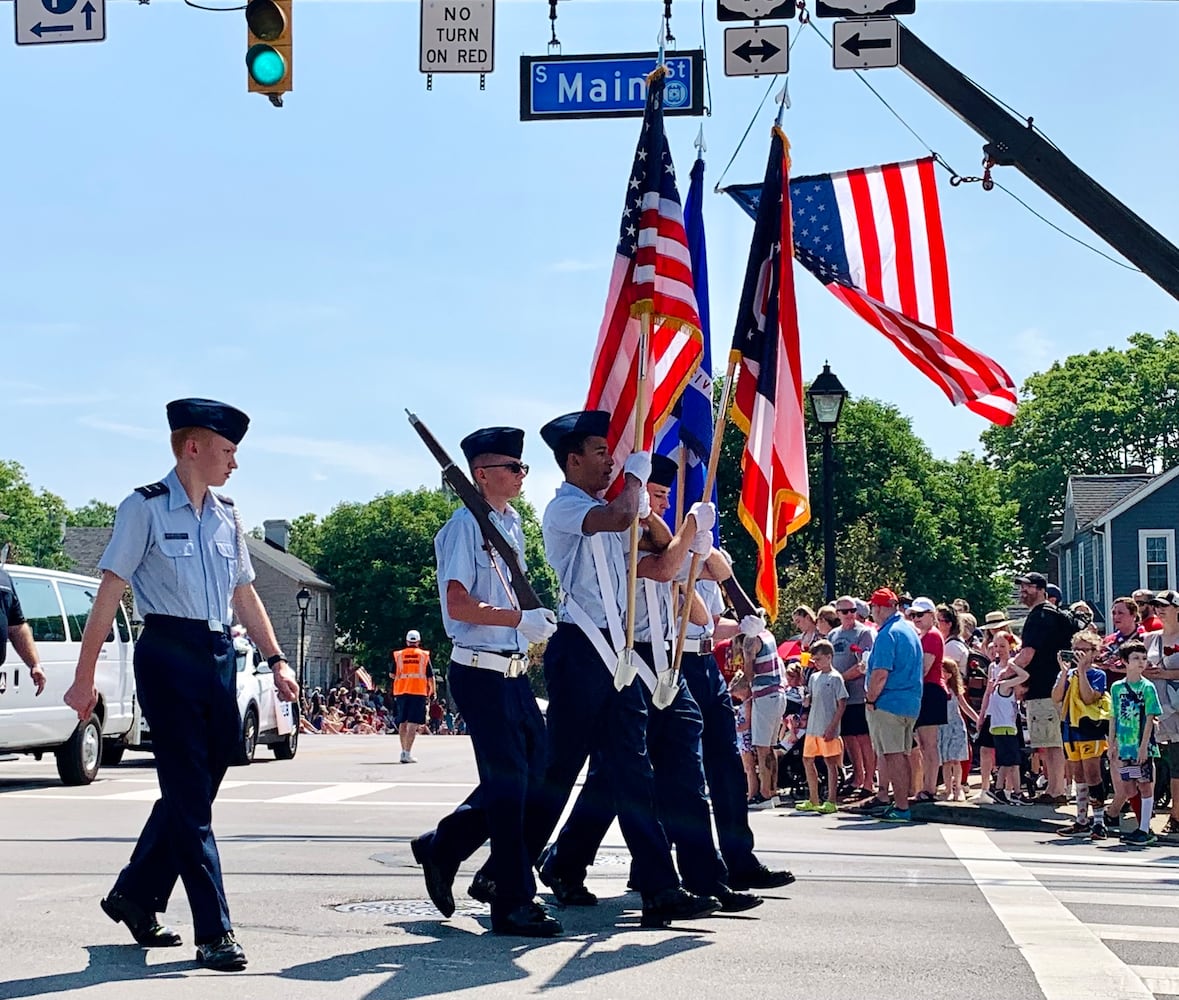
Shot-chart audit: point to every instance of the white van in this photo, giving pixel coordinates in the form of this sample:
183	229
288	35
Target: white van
56	606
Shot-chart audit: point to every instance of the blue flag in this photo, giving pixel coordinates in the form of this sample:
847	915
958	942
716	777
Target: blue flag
687	434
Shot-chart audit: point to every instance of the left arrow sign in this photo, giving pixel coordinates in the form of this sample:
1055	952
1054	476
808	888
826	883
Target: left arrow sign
40	29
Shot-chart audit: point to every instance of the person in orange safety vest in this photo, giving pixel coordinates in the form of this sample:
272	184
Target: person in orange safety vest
413	686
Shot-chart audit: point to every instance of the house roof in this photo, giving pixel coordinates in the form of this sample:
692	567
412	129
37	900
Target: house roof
285	563
1141	493
85	546
1092	496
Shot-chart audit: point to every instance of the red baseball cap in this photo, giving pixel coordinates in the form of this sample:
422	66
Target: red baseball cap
883	597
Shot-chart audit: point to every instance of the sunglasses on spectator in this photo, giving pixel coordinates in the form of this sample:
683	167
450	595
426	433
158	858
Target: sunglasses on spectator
846	611
514	467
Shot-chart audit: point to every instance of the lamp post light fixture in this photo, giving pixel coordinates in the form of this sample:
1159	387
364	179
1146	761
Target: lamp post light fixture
827	396
303	599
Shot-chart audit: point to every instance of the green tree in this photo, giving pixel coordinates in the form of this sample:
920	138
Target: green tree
1094	413
96	514
306	538
33	521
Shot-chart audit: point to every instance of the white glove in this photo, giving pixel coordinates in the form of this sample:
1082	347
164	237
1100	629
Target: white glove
701	543
537	624
752	625
639	466
705	514
644	504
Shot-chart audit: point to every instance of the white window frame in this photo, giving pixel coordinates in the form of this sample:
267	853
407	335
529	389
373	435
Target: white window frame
1068	574
1081	571
1169	535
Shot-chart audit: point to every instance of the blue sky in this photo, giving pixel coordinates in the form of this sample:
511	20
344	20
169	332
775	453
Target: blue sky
374	246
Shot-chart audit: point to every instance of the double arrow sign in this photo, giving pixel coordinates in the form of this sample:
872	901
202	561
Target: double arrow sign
757	50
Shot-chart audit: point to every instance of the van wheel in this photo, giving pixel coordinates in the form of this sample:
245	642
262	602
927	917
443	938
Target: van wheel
112	752
285	748
249	741
78	758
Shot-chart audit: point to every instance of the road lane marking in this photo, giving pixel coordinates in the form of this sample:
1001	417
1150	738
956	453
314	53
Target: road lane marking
1162	979
1067	959
1138	899
1132	932
338	792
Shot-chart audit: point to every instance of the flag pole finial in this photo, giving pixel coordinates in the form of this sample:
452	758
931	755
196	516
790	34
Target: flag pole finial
700	144
783	100
662	39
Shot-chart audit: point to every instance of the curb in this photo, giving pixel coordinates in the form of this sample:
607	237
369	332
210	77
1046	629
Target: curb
1040	819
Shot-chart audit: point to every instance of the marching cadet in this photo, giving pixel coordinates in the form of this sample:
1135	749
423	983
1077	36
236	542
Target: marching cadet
489	683
585	541
722	759
182	547
673	733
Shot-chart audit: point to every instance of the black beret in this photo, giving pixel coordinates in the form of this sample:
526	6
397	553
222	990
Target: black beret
507	441
220	418
663	470
583	423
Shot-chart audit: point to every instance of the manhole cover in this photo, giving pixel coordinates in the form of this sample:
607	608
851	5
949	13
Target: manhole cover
408	908
611	860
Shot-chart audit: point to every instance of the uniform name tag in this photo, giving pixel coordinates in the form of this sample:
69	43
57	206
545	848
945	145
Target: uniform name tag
175	534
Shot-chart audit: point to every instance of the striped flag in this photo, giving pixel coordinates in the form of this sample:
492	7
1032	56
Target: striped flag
767	405
687	434
873	236
652	274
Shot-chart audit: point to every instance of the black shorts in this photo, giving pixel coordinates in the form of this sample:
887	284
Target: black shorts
934	705
855	721
411	708
1006	751
985	739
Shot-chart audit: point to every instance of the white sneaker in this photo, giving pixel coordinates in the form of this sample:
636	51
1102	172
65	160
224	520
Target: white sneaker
405	757
984	797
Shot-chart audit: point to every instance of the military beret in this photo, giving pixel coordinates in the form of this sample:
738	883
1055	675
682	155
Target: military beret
663	470
583	423
220	418
507	441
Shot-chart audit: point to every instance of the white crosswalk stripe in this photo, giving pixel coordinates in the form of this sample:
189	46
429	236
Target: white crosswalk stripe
1070	957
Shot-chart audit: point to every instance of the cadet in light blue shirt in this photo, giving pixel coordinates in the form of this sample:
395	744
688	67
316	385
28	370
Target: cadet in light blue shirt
182	548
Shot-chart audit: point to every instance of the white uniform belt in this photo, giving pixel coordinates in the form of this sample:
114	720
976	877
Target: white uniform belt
510	666
702	646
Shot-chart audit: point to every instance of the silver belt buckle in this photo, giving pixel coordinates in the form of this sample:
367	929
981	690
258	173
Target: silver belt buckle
474	659
517	665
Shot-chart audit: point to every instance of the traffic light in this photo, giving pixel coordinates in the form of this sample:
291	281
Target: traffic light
268	58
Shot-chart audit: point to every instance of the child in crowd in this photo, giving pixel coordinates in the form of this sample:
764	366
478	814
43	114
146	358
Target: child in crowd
1002	647
1135	709
952	742
1001	708
741	692
1084	712
826	698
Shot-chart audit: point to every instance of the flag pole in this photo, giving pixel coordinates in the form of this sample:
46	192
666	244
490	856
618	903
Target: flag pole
625	672
718	434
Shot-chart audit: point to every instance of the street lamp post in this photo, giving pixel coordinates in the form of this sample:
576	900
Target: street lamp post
303	599
827	396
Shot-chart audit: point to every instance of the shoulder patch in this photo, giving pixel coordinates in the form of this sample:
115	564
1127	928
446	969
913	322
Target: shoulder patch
152	491
228	501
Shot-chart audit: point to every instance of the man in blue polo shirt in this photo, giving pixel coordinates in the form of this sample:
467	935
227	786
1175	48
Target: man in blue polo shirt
893	701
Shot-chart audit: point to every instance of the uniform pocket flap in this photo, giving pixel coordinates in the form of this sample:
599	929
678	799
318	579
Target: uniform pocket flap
177	547
226	549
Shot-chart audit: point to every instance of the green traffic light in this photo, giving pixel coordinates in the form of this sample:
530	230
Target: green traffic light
266	66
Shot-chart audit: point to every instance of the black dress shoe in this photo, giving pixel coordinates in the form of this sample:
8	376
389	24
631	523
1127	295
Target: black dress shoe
760	877
224	954
676	904
529	920
438	882
736	902
567	892
144	926
482	889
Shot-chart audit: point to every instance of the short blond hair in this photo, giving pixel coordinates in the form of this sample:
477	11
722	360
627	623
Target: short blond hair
182	435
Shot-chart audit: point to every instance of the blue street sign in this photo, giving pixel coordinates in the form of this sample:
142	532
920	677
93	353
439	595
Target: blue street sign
611	85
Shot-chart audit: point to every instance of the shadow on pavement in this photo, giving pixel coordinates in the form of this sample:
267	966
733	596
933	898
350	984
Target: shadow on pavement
109	963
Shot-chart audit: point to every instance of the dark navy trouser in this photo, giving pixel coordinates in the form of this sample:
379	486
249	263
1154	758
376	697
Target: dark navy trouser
187	686
508	736
587	716
673	743
727	786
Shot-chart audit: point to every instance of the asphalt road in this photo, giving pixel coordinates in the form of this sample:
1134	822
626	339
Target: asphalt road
326	901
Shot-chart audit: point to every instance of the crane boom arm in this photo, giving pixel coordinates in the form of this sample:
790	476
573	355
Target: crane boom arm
1011	142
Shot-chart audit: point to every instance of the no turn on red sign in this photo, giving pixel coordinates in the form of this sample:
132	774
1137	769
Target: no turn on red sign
457	37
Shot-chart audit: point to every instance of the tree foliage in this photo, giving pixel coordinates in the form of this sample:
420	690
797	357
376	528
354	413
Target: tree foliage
1094	413
33	521
95	514
902	517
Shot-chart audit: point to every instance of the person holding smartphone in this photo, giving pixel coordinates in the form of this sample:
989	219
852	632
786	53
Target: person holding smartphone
1080	697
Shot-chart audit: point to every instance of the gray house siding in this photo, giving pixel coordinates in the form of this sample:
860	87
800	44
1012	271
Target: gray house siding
278	591
1083	570
1158	514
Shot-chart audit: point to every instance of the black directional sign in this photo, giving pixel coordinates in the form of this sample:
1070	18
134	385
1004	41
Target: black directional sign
864	8
754	10
867	43
761	49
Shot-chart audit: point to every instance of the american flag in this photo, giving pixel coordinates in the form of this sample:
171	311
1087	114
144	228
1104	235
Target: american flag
775	489
652	274
873	236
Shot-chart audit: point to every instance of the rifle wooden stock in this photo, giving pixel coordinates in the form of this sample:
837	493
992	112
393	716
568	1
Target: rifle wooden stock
473	500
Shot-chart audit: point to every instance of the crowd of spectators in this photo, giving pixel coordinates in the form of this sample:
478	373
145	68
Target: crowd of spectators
345	709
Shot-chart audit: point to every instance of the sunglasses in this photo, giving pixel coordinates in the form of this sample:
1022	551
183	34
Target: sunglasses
845	611
516	468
